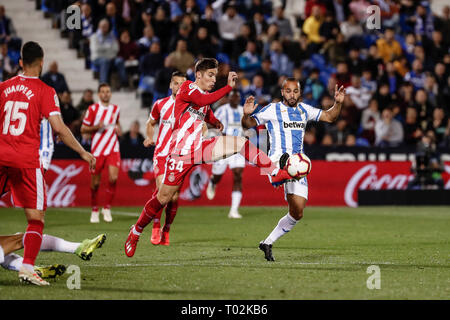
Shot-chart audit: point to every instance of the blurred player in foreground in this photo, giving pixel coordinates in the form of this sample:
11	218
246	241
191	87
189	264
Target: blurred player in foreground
102	120
12	261
26	100
188	148
162	114
230	115
286	124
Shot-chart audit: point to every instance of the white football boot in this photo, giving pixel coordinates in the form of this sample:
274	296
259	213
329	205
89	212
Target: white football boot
95	217
234	214
211	191
107	215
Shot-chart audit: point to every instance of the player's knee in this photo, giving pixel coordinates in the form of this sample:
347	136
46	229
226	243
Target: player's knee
175	197
296	213
113	179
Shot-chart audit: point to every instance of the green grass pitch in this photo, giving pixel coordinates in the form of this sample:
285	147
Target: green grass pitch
325	256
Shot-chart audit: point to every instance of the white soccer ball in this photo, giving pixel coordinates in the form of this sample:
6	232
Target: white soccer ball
298	165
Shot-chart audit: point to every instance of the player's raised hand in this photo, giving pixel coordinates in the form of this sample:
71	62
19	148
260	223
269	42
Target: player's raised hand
339	95
149	142
218	125
249	105
232	78
89	158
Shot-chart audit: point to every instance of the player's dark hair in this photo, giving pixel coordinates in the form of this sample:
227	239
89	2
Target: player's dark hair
101	85
290	79
178	74
205	64
31	51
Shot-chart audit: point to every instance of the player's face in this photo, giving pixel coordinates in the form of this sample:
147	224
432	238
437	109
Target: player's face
176	83
207	79
104	94
291	93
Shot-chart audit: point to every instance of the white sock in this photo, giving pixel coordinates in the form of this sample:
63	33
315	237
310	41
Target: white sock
51	243
27	266
136	232
236	197
2	255
284	226
12	262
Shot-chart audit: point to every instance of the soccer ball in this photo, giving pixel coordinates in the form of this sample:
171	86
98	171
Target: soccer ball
298	165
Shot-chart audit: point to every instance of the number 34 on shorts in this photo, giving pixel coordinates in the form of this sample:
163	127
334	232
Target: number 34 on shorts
175	165
176	170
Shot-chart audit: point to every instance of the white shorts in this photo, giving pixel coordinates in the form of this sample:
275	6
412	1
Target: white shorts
45	157
235	161
298	187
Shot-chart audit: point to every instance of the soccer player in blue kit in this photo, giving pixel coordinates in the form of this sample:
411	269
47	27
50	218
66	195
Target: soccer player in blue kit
286	123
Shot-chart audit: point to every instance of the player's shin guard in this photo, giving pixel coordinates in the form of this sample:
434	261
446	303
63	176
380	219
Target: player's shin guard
94	199
32	241
254	155
110	192
151	209
171	212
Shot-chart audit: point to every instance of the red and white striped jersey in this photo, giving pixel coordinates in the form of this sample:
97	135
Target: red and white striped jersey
105	140
191	109
163	111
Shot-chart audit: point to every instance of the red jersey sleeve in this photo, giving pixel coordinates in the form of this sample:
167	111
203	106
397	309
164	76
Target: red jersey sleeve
89	116
156	112
50	103
211	118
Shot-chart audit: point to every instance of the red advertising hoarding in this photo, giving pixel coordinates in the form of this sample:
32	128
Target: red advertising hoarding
330	183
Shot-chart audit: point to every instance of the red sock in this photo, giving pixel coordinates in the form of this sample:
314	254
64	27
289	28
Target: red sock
151	209
157	218
110	192
32	241
254	155
171	212
94	202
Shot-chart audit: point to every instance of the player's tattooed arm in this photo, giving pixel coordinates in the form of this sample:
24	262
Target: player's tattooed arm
333	113
150	131
249	106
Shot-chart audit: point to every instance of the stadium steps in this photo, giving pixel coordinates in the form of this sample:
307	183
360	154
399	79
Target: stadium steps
30	25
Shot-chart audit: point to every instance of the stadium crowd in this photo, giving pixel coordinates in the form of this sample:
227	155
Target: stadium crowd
397	77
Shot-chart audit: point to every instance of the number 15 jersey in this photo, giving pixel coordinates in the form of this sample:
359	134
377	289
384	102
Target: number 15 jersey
24	101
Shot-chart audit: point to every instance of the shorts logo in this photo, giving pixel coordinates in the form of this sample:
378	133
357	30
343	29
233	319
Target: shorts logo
171	177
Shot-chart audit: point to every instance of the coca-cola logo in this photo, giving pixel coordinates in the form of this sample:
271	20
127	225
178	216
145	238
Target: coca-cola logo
61	193
366	178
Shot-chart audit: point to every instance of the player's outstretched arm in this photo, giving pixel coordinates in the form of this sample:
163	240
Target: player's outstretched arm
249	106
150	131
332	114
69	140
204	99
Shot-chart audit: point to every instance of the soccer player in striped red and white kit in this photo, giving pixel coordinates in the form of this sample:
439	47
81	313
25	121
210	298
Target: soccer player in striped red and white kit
24	101
102	120
162	114
188	148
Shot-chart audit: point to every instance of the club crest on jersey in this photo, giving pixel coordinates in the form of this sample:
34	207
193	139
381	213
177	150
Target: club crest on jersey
293	125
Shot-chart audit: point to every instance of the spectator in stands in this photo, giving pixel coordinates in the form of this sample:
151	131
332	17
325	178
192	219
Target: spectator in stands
350	141
423	19
203	44
181	58
70	115
373	62
315	86
416	75
249	60
335	50
126	10
388	48
87	30
127	58
229	27
311	26
8	68
114	19
184	33
391	77
367	81
438	124
8	32
329	28
339	132
413	131
327	140
257	90
207	21
383	97
142	20
86	100
369	118
284	25
388	131
104	49
133	137
258	25
240	44
163	77
354	62
163	28
342	75
149	65
270	76
148	38
432	90
280	61
352	31
55	79
358	94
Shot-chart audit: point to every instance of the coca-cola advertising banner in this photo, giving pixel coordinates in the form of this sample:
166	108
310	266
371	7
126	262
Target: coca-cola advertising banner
330	184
